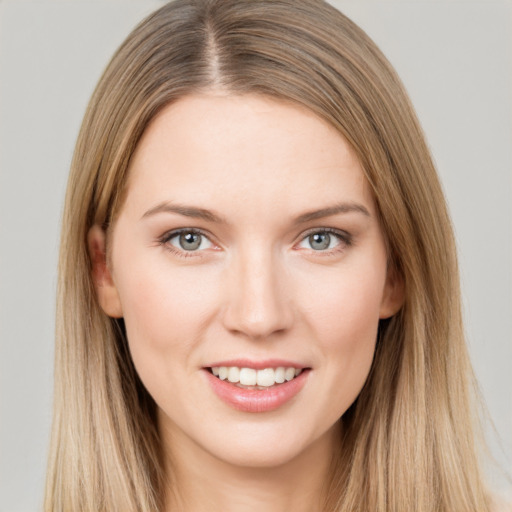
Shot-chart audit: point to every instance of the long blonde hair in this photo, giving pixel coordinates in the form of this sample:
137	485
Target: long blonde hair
408	440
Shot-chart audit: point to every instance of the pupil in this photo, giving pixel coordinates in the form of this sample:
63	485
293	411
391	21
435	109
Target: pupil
190	241
320	241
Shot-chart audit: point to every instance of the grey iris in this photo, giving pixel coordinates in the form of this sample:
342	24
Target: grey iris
190	241
320	241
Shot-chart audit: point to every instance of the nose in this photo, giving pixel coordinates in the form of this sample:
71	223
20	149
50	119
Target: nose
258	301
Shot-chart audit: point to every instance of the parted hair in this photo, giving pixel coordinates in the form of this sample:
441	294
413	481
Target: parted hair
409	441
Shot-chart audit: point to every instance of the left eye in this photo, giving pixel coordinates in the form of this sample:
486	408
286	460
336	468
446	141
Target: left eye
320	241
189	241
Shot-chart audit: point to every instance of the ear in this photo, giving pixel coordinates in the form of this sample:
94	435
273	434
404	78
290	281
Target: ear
106	290
393	295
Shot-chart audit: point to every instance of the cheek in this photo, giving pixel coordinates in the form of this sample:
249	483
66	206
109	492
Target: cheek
345	319
346	308
165	312
349	321
347	330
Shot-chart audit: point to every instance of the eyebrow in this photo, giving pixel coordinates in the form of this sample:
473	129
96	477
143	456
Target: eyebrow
332	210
207	215
186	211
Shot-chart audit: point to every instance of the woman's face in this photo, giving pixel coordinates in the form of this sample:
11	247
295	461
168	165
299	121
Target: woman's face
248	246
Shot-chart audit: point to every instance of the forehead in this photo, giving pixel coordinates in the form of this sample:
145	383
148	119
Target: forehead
220	148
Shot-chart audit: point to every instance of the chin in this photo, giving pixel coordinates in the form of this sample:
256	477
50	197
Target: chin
259	458
266	448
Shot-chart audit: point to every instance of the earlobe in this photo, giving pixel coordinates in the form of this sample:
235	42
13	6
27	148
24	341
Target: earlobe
104	285
394	294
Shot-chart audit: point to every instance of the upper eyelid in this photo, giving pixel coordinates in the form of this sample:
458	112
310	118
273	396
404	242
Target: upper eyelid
339	232
175	232
324	229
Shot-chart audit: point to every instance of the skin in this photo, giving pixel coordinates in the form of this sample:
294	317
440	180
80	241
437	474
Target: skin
255	289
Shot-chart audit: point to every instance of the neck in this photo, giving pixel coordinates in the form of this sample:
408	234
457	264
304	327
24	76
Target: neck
202	482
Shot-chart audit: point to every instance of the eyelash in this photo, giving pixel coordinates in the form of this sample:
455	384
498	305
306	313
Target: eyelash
345	239
164	241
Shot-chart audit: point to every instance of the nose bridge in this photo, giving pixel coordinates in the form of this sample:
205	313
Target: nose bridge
257	304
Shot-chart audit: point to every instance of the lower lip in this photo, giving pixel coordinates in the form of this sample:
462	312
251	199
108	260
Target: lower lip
256	400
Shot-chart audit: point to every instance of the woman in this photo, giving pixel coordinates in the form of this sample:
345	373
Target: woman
258	299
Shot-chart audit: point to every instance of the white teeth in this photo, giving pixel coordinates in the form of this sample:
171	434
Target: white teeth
280	375
234	374
289	374
248	376
266	377
251	377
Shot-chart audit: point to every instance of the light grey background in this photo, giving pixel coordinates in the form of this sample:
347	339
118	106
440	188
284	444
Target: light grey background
455	59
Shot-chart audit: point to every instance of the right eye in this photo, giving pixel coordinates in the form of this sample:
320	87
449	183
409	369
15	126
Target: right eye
188	240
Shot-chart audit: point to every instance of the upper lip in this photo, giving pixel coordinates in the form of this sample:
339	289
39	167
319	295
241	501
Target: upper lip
258	365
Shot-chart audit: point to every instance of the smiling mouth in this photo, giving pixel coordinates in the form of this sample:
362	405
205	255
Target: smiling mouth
250	378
